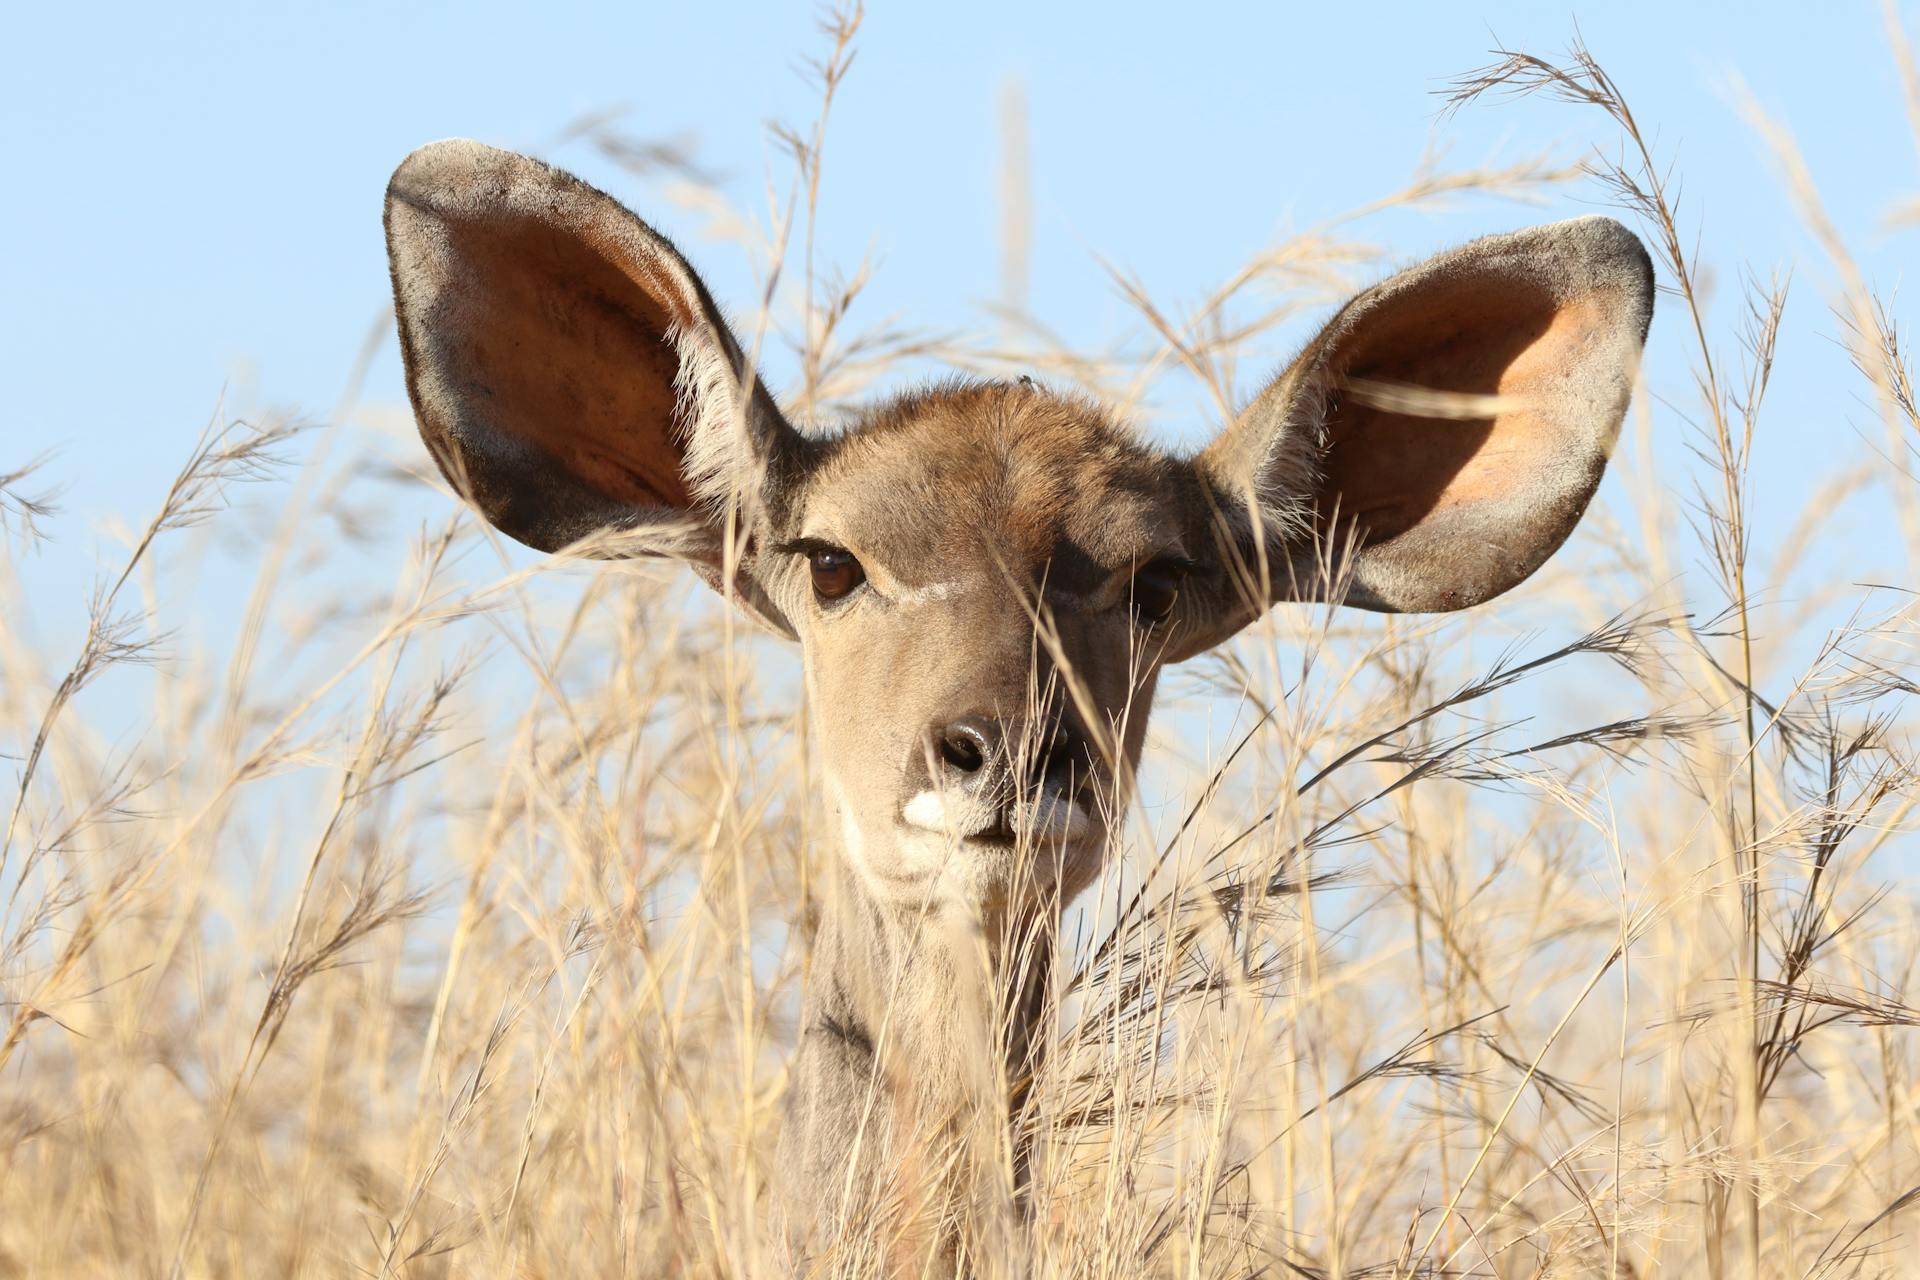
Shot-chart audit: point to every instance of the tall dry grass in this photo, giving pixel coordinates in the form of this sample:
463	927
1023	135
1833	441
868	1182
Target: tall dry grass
449	918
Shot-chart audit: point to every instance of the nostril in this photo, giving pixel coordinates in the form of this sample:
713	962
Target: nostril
1056	760
964	746
961	751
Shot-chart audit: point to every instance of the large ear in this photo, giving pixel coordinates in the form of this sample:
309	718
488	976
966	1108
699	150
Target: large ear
1368	483
569	372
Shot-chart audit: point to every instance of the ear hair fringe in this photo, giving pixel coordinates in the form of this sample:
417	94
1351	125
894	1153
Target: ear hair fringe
715	394
1272	502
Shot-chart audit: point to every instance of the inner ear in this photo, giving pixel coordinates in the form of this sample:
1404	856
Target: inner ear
561	311
1397	452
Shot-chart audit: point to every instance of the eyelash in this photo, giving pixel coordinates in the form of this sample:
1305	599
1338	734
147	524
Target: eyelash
836	572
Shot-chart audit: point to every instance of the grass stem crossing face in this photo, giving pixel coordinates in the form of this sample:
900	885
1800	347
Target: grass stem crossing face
985	579
996	563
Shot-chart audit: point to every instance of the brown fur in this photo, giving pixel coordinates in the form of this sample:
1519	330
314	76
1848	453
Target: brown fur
570	373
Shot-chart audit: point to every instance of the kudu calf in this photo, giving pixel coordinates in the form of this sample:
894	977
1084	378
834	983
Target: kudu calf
984	579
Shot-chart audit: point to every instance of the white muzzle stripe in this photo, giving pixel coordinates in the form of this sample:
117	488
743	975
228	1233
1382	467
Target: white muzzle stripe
950	813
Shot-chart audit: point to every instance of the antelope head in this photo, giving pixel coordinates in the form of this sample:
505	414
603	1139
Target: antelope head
985	579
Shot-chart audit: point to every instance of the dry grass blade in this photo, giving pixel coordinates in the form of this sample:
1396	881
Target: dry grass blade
452	920
24	510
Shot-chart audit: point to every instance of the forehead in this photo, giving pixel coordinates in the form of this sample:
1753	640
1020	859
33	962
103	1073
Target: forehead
938	482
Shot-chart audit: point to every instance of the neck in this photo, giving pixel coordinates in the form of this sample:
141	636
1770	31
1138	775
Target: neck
917	1040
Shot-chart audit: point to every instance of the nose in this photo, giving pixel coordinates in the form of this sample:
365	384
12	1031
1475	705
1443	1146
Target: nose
972	751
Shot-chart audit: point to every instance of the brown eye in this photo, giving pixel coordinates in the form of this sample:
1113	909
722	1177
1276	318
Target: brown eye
835	572
1155	588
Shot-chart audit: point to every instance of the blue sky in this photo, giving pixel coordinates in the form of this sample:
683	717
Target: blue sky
196	192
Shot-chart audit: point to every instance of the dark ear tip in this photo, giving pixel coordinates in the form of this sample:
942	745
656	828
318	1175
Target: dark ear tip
1610	255
1600	235
448	165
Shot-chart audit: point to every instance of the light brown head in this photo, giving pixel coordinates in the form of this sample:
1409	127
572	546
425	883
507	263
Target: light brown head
986	578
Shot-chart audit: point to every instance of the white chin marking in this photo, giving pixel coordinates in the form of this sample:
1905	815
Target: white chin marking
959	816
928	812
